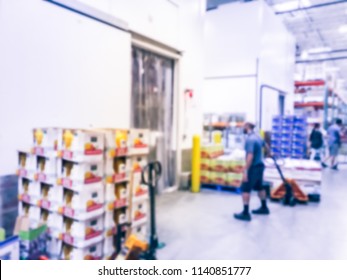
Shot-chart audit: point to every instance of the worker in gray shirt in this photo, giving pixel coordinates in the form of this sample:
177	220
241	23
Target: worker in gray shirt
334	143
253	174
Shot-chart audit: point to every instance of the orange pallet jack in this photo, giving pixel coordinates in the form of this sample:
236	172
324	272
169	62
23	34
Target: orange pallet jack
289	191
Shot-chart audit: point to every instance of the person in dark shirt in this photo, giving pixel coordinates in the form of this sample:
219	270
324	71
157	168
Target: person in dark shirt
253	174
316	142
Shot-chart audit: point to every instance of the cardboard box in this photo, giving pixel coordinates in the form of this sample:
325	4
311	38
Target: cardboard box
116	142
138	190
46	141
140	231
116	195
139	141
205	164
46	170
92	252
54	222
237	166
233	179
26	165
75	175
52	197
117	169
74	231
137	163
81	205
139	212
212	151
205	177
218	178
28	191
114	218
81	145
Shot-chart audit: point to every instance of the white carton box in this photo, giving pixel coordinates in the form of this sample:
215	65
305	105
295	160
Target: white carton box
116	195
28	191
26	165
117	169
52	197
85	204
138	163
114	218
46	141
75	175
139	141
91	252
46	170
139	212
116	142
81	145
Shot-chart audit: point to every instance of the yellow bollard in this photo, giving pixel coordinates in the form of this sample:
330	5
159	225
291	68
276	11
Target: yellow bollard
196	164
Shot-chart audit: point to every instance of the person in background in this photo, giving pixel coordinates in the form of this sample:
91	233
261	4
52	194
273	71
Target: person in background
334	142
316	142
253	174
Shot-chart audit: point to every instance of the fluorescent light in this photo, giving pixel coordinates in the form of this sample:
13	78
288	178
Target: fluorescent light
343	28
319	50
292	5
286	6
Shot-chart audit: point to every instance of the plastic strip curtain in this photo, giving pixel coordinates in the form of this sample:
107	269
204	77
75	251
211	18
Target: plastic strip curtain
153	108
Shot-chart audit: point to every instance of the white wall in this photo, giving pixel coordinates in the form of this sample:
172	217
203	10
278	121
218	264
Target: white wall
246	46
58	69
156	19
61	69
276	64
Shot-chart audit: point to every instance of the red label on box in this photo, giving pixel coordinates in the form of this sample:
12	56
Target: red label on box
41	177
120	203
92	180
119	177
22	172
66	182
69	212
45	204
141	192
94	152
39	151
67	154
140	216
93	234
120	152
94	207
68	239
25	198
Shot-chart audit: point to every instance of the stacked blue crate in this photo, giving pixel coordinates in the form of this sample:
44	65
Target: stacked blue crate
299	138
276	137
288	138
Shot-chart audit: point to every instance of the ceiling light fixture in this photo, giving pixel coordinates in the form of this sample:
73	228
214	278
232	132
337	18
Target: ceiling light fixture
292	5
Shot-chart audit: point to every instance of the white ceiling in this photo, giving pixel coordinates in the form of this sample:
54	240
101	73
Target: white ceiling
315	25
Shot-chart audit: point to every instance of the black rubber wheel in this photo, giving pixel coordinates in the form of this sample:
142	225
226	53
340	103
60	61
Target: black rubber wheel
292	202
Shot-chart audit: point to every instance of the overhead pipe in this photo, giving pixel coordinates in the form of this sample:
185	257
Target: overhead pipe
328	52
321	5
322	59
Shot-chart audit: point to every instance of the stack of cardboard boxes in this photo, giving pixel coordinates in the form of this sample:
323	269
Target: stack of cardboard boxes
76	182
219	169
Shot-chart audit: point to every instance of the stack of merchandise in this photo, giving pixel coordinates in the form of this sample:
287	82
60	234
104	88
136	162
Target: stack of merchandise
76	182
289	137
219	169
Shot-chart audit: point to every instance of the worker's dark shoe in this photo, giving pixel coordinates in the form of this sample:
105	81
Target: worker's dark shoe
335	167
261	211
243	216
324	165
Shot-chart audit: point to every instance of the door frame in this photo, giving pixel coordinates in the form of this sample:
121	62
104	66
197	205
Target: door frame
140	41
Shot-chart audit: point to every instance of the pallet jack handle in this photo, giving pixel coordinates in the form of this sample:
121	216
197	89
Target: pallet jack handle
150	176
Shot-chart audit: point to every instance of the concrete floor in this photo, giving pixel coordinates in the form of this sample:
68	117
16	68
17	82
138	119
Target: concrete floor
201	226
